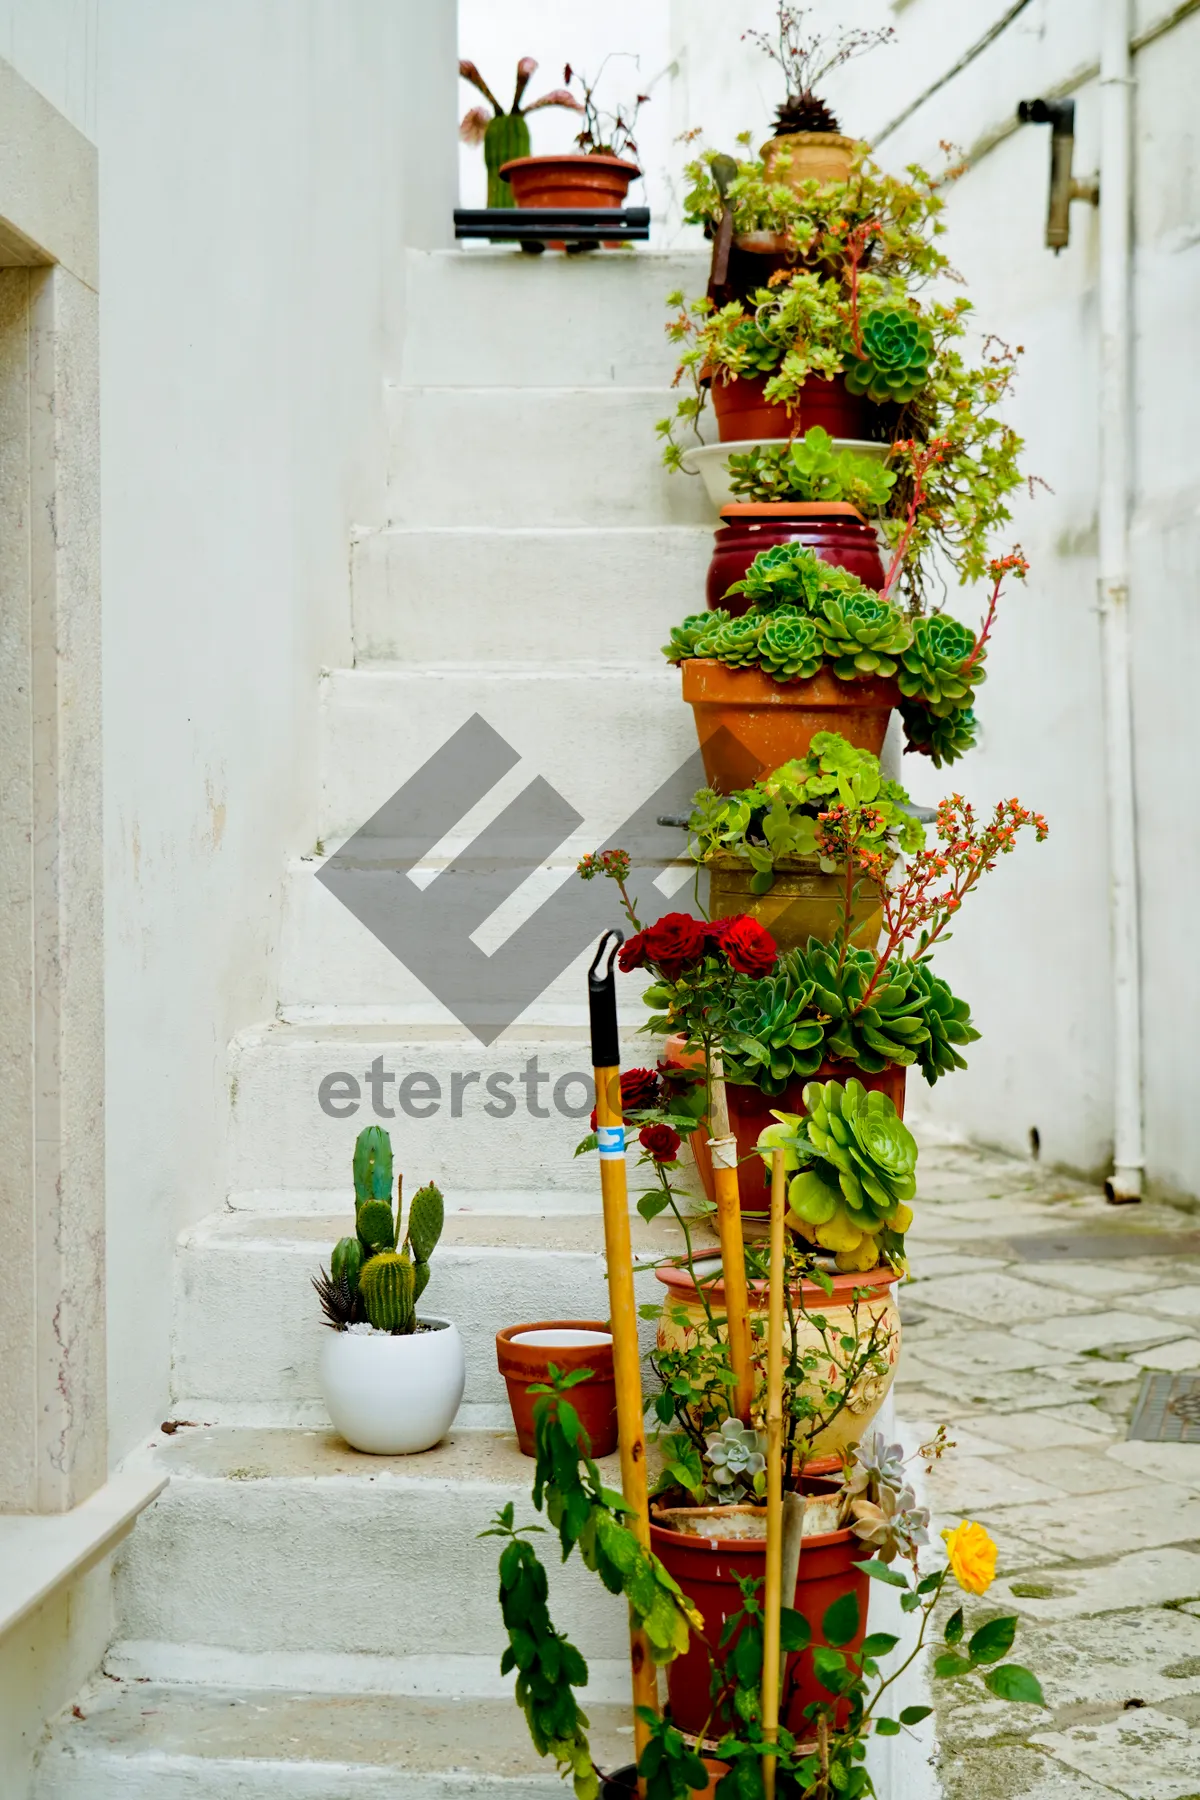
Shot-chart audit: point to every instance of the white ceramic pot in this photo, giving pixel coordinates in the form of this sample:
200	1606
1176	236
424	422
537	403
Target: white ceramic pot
711	462
392	1396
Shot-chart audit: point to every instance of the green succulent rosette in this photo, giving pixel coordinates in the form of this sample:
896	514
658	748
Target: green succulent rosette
942	740
890	1029
897	349
749	350
790	647
786	574
736	643
948	1022
695	628
932	667
863	634
773	1035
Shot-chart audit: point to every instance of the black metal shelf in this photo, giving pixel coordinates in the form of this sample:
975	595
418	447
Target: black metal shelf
579	227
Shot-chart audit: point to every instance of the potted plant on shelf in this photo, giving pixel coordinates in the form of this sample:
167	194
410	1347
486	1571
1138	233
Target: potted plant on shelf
391	1377
599	173
505	135
529	1355
807	145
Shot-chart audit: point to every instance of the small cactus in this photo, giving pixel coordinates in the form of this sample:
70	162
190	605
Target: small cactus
381	1272
426	1215
388	1288
376	1227
346	1262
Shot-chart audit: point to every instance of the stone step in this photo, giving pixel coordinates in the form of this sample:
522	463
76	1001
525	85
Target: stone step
498	318
248	1326
129	1740
605	737
333	968
300	1094
433	594
535	456
267	1541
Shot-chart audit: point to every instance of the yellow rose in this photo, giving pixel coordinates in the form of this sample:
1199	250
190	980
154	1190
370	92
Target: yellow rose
972	1557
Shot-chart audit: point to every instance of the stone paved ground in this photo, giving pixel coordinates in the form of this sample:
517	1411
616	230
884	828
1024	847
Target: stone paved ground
1035	1365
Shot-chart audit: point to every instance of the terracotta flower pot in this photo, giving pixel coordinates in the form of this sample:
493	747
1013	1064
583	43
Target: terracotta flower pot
571	179
748	723
524	1363
803	902
709	1570
750	1110
742	412
799	156
622	1783
836	531
683	1318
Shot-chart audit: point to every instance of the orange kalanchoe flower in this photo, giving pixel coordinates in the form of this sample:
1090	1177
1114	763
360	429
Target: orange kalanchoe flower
972	1557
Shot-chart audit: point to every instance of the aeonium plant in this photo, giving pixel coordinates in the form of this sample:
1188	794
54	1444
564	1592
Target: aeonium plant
811	468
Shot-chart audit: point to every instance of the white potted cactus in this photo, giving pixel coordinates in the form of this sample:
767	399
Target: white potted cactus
392	1378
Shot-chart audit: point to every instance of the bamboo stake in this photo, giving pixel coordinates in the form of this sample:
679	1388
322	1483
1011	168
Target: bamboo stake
773	1588
618	1249
722	1148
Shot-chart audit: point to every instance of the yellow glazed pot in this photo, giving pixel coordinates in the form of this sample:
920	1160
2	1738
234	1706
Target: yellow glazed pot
683	1317
802	902
800	156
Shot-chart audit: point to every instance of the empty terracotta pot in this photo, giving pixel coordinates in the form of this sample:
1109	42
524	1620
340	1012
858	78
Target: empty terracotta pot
742	412
748	724
525	1353
750	1110
836	531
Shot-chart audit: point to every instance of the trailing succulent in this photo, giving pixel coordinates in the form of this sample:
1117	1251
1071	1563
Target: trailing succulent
854	1162
377	1276
897	348
779	816
933	670
810	468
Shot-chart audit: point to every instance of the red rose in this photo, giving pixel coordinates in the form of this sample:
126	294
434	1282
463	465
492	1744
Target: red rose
750	948
661	1142
632	953
675	941
639	1090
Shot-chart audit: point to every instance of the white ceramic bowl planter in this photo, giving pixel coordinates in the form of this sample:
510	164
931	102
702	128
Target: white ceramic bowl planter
711	461
393	1396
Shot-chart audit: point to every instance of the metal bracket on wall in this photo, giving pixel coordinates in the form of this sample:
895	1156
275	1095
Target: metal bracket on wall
578	227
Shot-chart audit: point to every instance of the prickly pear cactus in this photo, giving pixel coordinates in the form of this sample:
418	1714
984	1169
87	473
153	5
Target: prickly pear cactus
346	1262
388	1288
426	1216
506	137
376	1227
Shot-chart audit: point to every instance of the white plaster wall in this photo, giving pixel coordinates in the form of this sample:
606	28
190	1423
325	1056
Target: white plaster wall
263	164
44	1661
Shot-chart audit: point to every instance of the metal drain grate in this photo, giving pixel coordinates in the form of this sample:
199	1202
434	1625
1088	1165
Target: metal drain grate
1167	1410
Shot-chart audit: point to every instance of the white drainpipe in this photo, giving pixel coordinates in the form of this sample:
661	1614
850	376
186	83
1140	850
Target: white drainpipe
1114	502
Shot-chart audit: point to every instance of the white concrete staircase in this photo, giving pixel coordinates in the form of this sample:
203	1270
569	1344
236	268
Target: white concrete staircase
293	1618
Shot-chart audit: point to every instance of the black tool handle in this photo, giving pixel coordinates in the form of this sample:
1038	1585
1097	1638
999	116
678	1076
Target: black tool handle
602	1003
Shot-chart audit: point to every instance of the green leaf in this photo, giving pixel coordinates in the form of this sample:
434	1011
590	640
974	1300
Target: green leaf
651	1204
954	1627
947	1666
795	1633
992	1641
912	1715
886	1728
1011	1682
879	1571
931	1581
829	1667
841	1621
879	1643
